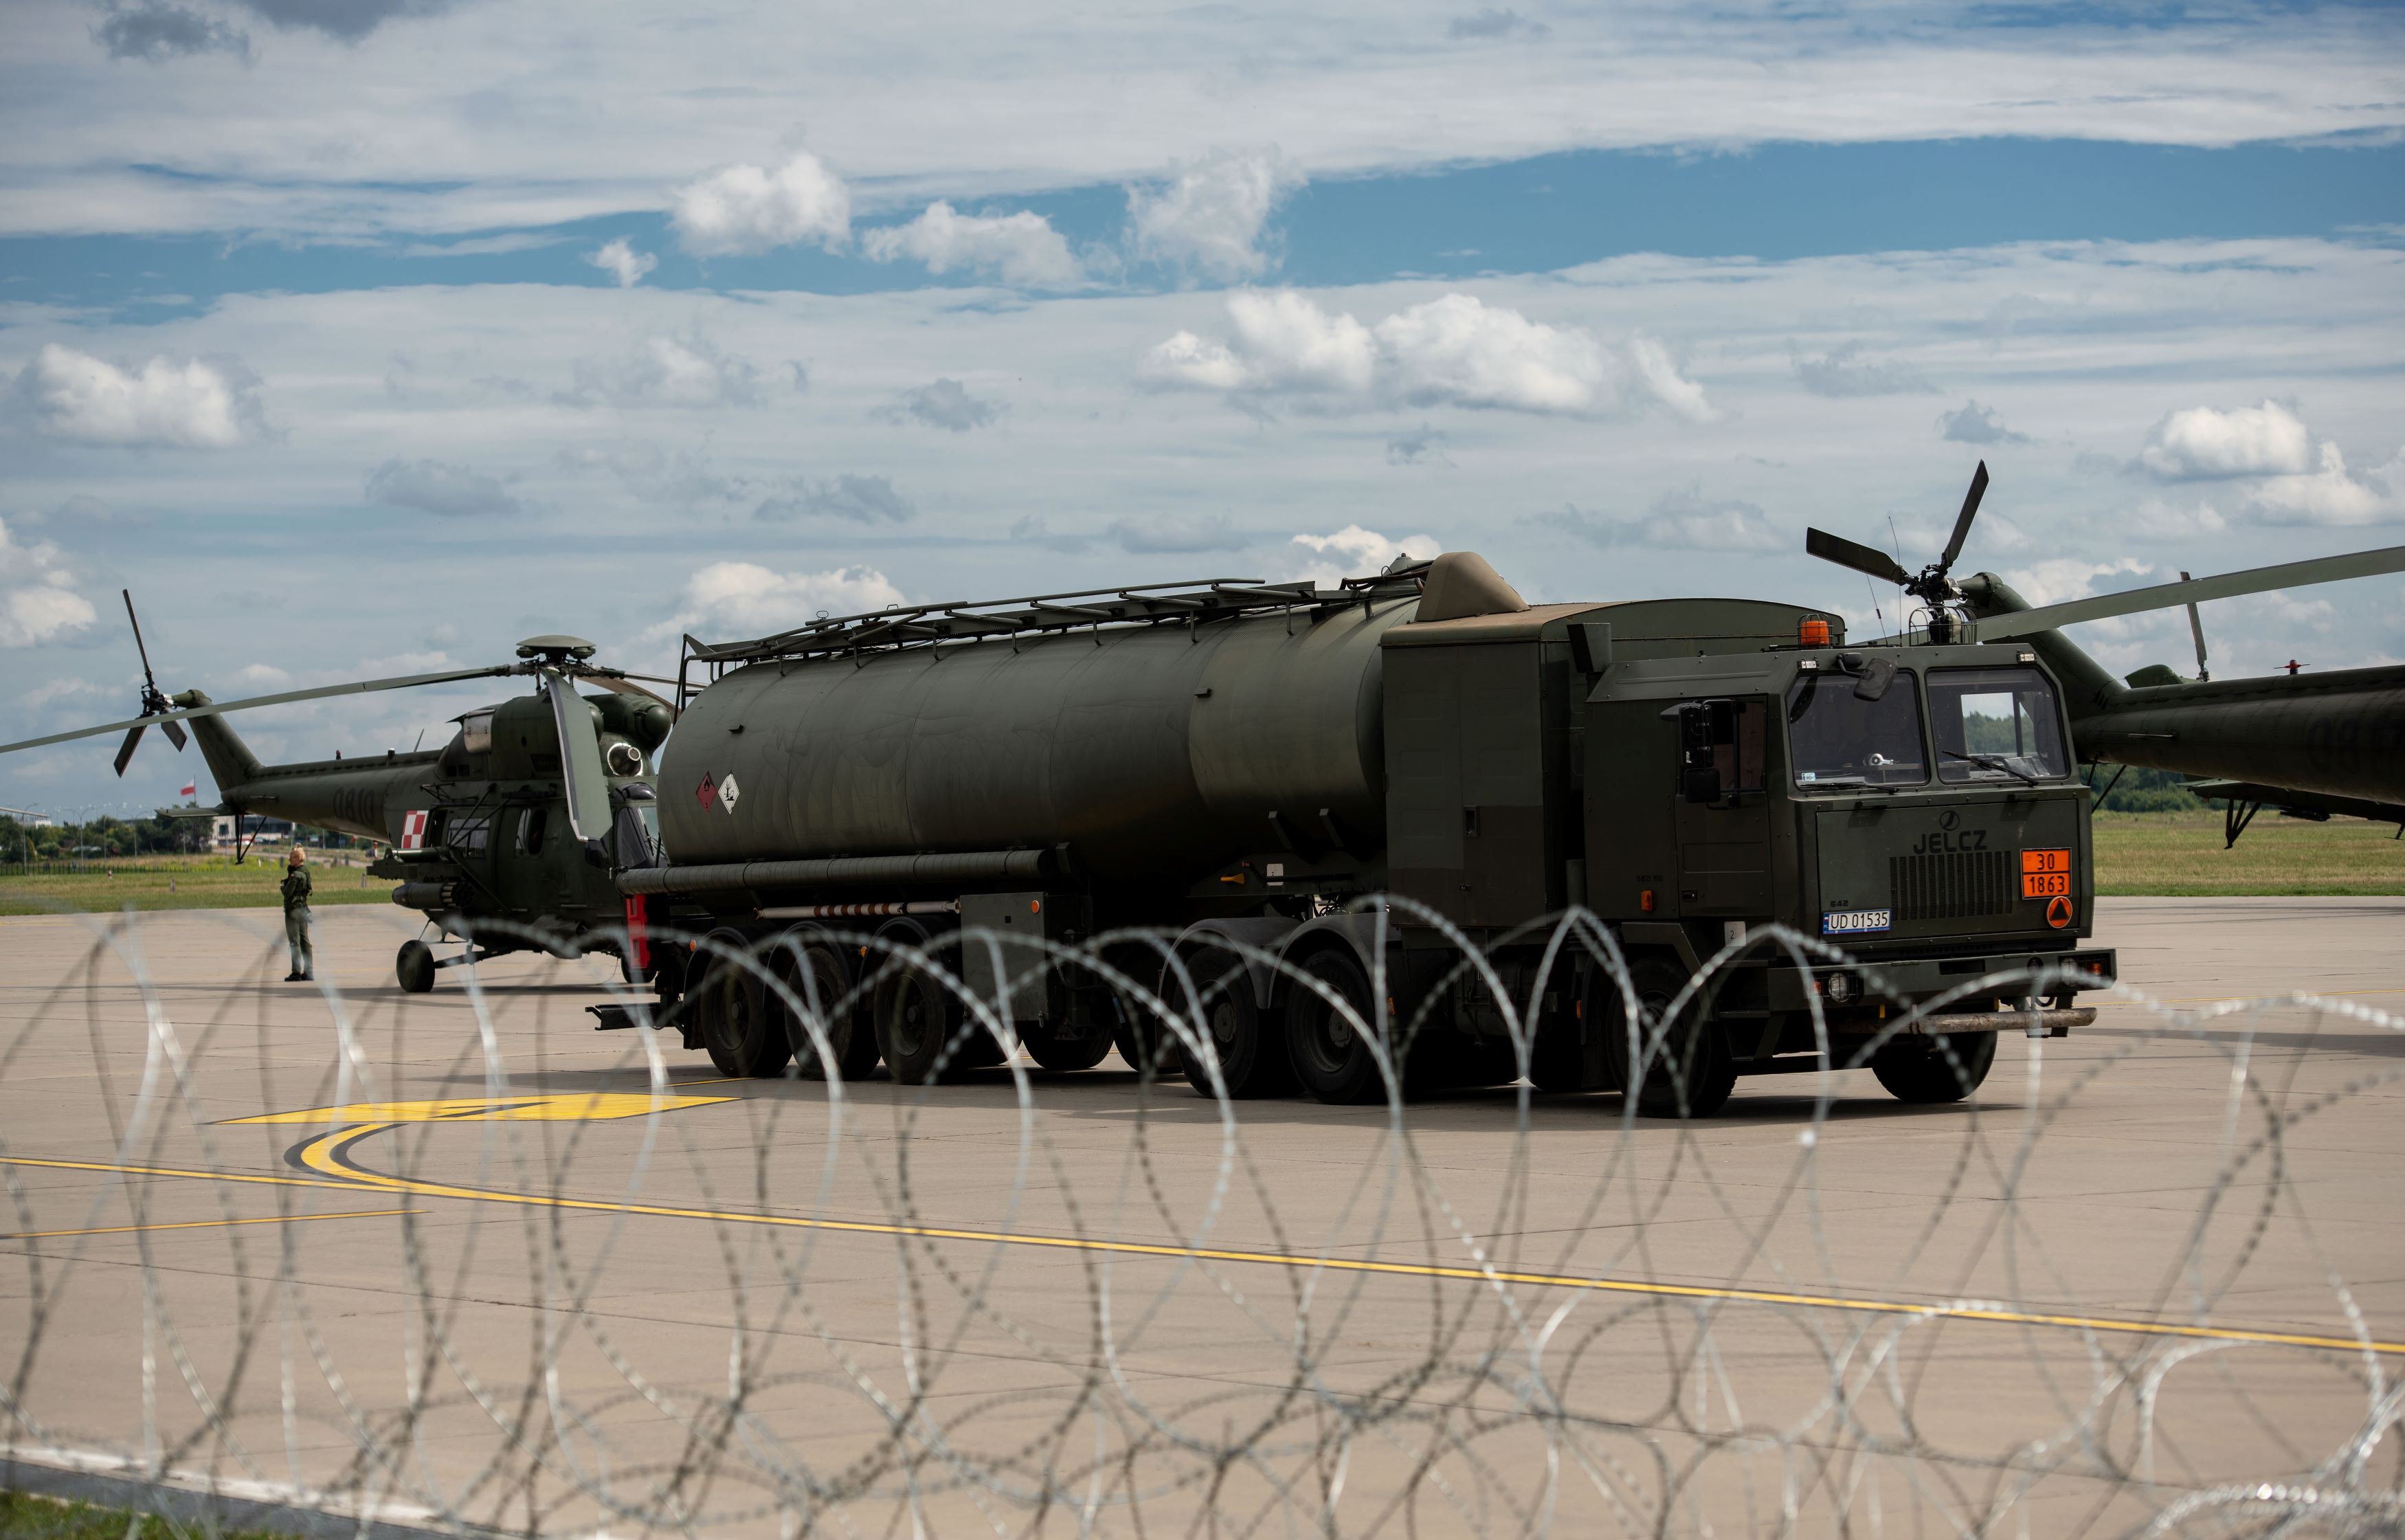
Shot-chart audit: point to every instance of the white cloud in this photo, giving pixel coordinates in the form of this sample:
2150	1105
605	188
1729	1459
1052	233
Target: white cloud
1679	521
1021	249
858	499
194	404
1209	216
2158	520
37	596
263	676
946	403
688	371
2201	443
2331	495
748	210
733	599
1977	424
622	262
1456	350
1671	388
433	487
1843	372
1355	551
2057	579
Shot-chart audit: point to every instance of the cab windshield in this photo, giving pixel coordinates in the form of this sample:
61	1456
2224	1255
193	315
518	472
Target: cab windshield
1996	725
1838	739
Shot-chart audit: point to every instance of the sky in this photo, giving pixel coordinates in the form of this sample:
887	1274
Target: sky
370	337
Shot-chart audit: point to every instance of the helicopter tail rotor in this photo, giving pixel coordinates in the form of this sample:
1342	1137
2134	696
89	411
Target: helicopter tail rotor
1868	560
154	699
1931	585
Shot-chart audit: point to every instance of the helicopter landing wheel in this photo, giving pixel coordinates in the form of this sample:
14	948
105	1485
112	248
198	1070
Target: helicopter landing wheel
414	967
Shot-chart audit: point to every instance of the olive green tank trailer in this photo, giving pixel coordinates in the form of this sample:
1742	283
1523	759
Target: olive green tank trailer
1231	764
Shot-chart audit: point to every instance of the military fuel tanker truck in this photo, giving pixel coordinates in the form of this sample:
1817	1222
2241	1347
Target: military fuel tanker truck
1229	766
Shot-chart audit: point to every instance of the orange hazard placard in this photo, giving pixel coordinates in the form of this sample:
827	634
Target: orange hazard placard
2045	874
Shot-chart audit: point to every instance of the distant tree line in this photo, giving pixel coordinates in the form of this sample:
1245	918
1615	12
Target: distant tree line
110	836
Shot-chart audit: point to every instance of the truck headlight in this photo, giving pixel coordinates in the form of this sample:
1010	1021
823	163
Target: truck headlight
1838	988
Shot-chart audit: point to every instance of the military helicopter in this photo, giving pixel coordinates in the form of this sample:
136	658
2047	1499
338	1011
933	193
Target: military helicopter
2311	744
504	836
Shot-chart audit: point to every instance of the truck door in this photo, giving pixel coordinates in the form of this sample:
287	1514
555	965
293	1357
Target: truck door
1723	839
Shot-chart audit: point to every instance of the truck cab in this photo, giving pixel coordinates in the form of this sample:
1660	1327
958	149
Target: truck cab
1691	771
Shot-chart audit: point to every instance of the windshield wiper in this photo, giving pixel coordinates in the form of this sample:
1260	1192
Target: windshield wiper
1849	783
1993	761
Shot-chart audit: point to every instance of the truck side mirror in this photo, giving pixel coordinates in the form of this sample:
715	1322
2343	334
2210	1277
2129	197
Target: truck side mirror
1877	674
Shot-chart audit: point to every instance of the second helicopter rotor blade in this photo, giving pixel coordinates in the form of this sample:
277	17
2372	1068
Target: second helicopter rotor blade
1963	521
1867	559
125	750
2255	580
624	685
579	757
176	734
287	698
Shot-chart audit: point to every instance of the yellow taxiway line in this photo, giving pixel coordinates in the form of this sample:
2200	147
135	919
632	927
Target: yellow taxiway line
329	1154
206	1223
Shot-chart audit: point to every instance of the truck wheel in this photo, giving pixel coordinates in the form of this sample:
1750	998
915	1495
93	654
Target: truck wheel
1329	1056
1914	1073
743	1036
414	967
1067	1052
1692	1074
819	971
1249	1041
916	1019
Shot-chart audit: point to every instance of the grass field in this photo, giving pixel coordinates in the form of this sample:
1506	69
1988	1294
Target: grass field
2179	855
183	881
2172	855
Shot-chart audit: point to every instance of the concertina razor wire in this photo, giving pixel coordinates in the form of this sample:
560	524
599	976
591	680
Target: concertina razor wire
575	1288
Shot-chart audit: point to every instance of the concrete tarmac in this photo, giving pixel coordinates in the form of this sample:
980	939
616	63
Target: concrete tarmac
459	1258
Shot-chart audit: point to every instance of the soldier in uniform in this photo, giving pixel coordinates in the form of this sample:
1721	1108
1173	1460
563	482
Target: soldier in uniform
296	916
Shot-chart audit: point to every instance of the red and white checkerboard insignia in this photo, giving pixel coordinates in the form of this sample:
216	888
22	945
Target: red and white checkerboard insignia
705	793
412	830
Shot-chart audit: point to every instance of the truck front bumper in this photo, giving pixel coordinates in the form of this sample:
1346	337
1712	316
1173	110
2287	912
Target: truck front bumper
1904	983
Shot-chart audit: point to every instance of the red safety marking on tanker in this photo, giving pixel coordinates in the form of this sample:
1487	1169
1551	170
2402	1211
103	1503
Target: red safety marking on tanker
729	791
2058	912
412	830
707	792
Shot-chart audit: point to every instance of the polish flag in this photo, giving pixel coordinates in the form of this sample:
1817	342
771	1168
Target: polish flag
192	788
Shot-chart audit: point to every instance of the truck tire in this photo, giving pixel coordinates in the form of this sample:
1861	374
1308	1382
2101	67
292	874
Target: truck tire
1248	1042
1914	1073
414	967
1327	1050
1692	1075
917	1027
741	1031
1067	1052
815	967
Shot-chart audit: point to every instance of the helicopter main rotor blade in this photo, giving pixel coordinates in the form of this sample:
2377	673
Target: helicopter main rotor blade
1867	559
579	757
125	750
624	685
287	698
2256	580
176	734
1963	521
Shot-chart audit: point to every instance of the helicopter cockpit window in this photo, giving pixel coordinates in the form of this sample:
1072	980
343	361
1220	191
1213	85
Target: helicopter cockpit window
1996	725
476	733
1838	739
467	831
530	829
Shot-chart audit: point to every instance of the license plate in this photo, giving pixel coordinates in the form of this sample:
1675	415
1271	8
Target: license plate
2045	874
1854	922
